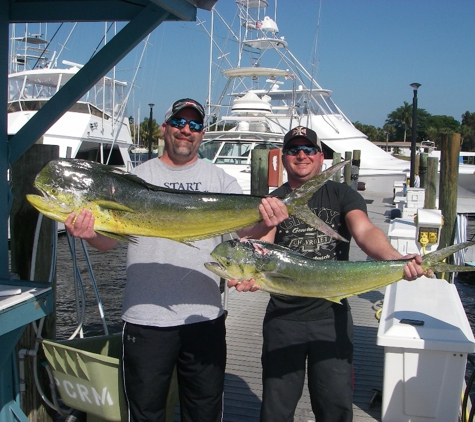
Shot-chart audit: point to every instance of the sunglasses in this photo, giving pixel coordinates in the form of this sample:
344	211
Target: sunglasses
306	150
180	124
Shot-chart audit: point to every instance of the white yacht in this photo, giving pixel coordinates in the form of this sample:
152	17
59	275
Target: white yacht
95	128
266	93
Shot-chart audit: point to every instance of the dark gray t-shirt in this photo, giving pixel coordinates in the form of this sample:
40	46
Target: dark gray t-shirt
331	203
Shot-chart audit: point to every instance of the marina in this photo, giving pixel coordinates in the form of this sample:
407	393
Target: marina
258	114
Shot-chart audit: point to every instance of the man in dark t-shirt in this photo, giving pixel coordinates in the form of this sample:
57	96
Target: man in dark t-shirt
308	334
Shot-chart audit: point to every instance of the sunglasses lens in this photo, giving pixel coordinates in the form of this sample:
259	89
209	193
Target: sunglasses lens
306	150
180	123
195	127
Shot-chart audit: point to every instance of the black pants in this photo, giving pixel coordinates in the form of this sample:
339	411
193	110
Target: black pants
327	347
199	353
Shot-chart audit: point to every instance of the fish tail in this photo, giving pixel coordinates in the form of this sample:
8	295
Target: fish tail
432	260
441	267
296	201
302	195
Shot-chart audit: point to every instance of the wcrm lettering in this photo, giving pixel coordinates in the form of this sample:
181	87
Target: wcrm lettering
85	393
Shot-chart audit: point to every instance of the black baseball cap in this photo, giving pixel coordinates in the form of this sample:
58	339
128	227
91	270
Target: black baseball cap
184	103
302	132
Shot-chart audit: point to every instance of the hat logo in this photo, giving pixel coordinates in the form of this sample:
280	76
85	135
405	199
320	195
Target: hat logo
299	131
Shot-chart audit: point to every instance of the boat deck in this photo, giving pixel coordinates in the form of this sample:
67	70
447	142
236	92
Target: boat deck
243	389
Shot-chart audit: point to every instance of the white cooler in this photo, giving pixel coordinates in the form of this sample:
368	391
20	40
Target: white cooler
424	365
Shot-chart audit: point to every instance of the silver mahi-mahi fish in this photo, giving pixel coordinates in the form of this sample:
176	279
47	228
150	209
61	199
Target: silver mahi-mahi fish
281	271
125	206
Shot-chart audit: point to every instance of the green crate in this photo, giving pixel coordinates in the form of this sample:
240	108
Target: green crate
88	374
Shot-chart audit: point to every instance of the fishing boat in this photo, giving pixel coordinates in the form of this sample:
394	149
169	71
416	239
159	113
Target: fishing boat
266	92
258	90
95	128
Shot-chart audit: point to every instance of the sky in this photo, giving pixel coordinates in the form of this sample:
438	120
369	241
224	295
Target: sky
368	52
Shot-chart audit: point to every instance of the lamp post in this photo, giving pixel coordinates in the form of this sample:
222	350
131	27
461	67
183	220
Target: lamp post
414	86
150	128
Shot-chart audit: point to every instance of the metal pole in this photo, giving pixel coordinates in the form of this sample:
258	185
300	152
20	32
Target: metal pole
414	134
150	128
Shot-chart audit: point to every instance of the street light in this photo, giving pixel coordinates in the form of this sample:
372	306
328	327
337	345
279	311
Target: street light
414	86
150	120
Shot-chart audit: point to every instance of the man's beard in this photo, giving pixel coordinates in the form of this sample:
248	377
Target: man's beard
182	150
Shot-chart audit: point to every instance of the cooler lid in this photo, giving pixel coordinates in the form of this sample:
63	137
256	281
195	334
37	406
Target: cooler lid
437	304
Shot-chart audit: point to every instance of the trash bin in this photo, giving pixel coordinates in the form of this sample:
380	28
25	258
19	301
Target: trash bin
426	338
88	374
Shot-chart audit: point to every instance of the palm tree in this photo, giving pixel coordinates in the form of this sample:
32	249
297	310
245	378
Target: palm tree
388	130
402	116
144	132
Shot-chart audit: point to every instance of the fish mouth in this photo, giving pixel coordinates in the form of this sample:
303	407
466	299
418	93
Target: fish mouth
217	269
213	265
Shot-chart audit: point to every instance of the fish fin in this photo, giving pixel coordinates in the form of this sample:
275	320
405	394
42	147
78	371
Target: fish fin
122	173
276	277
336	299
120	237
307	216
186	243
112	205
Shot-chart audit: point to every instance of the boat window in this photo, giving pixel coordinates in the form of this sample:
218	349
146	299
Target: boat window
233	153
80	108
32	105
14	88
35	105
208	150
38	90
230	152
94	154
327	152
14	106
96	112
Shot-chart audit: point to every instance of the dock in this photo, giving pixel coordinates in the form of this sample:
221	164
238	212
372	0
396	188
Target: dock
243	388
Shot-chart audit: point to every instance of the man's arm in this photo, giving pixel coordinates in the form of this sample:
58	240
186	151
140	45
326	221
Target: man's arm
375	244
82	226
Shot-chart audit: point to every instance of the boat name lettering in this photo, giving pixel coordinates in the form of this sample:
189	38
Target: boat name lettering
85	394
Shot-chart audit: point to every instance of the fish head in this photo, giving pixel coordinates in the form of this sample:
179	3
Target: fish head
65	186
235	260
62	175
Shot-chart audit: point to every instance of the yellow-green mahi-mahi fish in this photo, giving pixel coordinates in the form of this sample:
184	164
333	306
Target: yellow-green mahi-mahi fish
125	206
281	271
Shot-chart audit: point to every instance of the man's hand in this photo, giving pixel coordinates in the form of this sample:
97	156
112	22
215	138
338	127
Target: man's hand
243	286
413	268
81	225
273	211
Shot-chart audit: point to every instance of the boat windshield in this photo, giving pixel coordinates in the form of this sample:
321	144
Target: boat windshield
231	152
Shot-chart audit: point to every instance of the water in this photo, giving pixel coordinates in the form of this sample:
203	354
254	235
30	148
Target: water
109	273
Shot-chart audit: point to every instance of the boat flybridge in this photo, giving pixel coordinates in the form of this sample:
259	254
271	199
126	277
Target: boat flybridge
95	128
259	104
